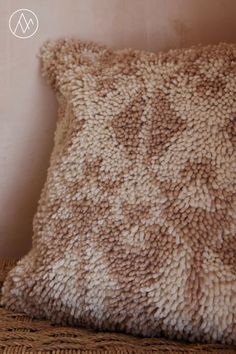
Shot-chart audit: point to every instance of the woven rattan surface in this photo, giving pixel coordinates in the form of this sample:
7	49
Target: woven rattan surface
20	334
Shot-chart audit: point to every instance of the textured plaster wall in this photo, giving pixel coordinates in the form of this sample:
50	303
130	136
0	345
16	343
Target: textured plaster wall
28	107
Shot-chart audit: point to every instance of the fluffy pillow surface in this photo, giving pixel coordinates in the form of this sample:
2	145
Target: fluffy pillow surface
135	227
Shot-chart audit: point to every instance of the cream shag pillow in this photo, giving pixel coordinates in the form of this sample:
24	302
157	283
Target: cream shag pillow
135	228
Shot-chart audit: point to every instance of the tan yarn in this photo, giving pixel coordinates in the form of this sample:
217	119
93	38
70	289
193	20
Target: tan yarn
135	229
19	334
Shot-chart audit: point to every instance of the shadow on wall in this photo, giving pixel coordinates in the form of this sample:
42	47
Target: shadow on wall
28	124
26	175
164	24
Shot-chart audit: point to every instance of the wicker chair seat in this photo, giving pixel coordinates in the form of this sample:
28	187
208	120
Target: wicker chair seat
21	334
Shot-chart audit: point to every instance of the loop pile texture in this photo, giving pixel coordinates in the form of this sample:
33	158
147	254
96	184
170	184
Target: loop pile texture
135	228
19	334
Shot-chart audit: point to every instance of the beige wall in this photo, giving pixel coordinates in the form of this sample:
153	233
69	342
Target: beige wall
28	107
